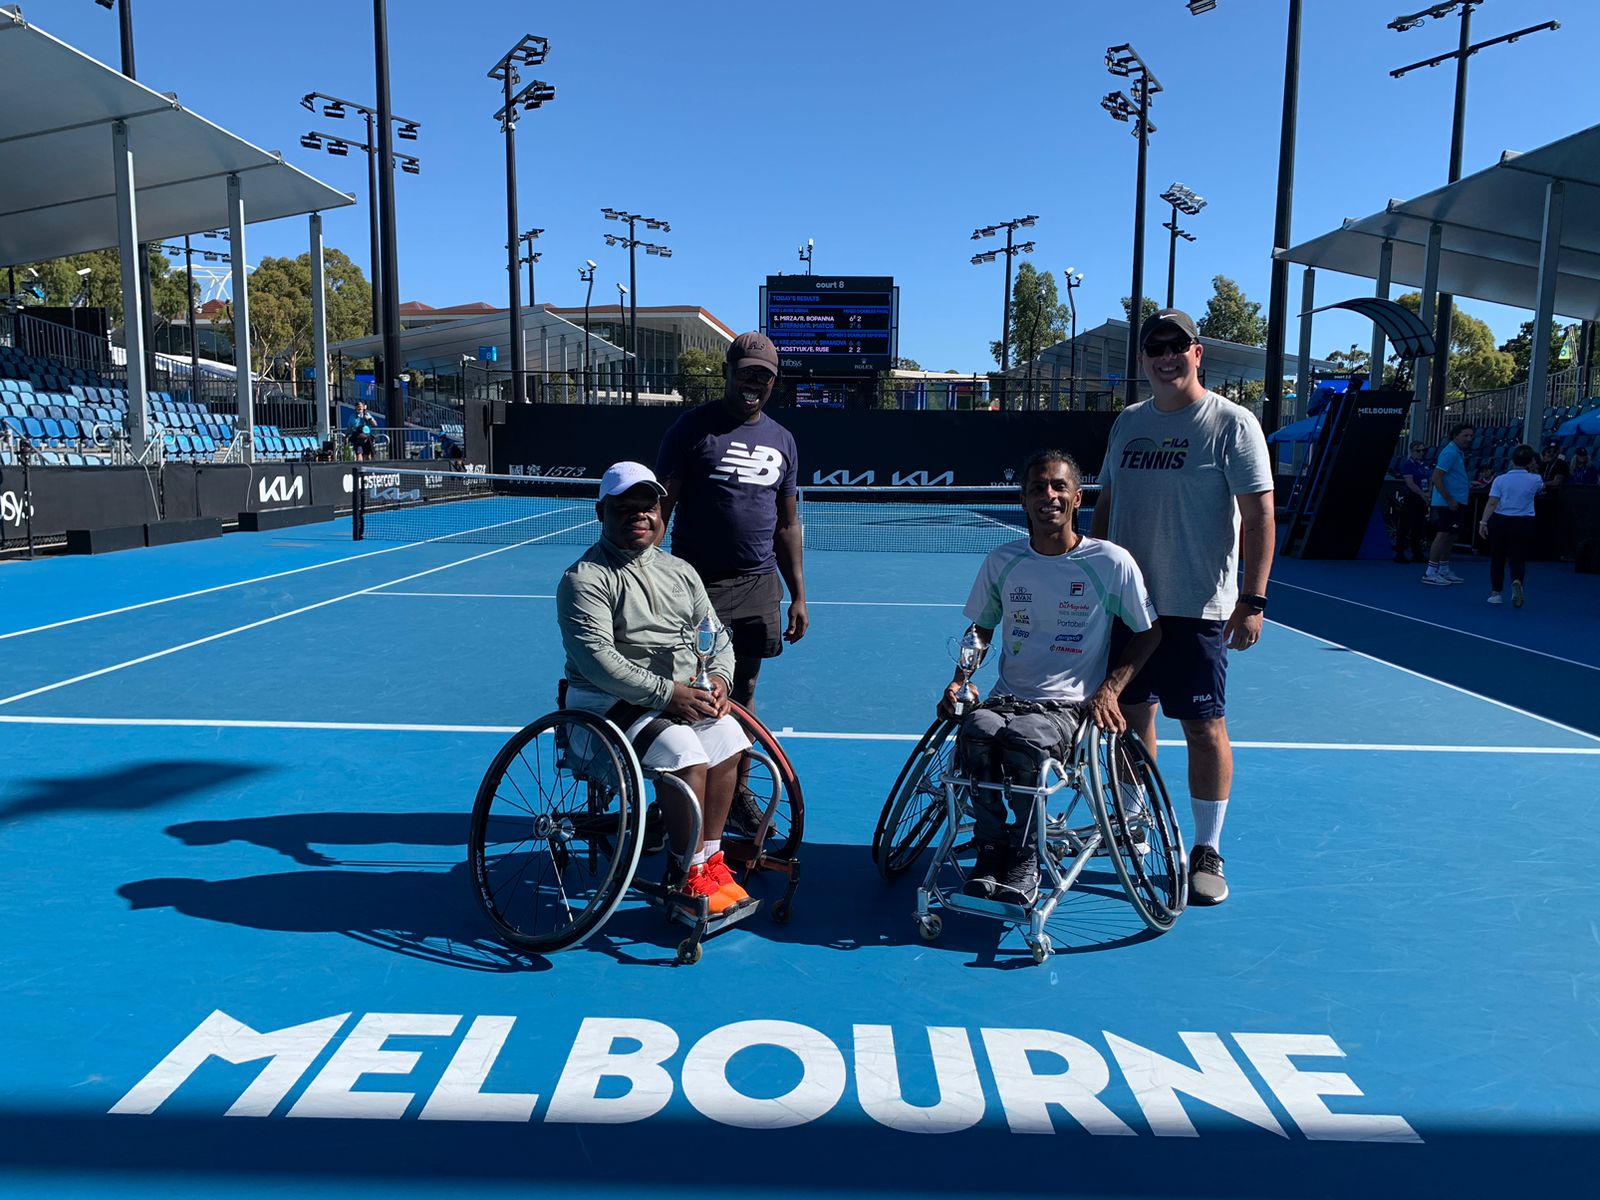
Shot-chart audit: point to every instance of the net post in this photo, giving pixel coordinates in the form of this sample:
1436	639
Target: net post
358	514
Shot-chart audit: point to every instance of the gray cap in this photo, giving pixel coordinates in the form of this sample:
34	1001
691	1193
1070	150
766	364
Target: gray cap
1175	317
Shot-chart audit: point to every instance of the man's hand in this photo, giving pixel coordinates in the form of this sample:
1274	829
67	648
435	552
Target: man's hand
1104	710
693	704
1243	629
719	693
955	691
799	621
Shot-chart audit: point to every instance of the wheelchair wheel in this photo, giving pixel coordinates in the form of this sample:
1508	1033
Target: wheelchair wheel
1141	832
915	809
769	773
556	831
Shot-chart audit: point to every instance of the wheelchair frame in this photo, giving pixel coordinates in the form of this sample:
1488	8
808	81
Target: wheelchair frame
946	806
596	818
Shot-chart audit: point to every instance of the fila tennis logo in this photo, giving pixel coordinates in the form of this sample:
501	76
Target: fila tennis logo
760	466
1076	588
1142	454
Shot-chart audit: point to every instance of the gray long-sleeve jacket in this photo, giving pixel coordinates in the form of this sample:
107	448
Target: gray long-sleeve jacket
627	623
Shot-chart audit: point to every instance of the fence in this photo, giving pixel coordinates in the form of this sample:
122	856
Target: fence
1504	406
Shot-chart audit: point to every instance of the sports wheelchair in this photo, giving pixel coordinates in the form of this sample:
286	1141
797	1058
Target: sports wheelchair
1109	780
558	832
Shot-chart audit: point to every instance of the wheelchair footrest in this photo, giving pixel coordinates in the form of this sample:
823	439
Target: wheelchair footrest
994	909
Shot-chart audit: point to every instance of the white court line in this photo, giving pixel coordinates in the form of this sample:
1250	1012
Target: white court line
332	562
1434	624
1521	712
294	612
551	596
793	734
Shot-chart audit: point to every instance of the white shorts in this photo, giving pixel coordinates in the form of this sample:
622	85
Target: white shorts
710	742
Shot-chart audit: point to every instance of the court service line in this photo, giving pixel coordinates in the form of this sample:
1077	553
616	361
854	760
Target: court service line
1436	625
1521	712
793	734
332	562
551	596
294	612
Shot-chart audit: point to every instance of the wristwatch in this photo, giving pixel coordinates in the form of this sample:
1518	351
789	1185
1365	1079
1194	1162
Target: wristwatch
1254	603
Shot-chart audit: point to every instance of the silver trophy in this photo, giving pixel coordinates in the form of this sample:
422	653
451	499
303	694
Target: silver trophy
709	637
968	653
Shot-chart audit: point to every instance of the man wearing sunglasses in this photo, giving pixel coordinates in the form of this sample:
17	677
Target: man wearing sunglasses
1185	472
732	479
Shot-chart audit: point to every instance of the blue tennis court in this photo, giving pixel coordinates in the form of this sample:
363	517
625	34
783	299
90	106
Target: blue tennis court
244	956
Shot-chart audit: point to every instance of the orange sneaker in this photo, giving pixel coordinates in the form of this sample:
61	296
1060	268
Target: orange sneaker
728	886
700	882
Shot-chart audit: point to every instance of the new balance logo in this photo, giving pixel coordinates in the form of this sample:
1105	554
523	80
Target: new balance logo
761	466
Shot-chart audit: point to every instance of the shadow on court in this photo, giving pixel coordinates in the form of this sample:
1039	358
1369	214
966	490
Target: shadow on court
134	788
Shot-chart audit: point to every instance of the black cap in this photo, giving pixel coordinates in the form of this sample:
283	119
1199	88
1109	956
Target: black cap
753	349
1175	317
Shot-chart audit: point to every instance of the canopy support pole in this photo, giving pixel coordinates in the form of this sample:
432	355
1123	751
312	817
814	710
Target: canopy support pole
1302	381
1422	368
319	331
1375	359
246	396
132	291
1555	196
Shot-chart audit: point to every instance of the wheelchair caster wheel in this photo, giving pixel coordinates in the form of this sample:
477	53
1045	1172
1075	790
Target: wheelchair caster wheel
930	928
689	952
781	912
1041	950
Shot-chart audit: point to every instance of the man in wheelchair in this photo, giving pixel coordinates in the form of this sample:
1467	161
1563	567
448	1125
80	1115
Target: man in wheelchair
626	611
1052	599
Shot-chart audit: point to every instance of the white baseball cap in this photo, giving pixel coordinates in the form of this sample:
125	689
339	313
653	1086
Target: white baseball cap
622	476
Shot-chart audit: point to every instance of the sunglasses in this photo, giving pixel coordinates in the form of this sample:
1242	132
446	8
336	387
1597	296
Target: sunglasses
1156	347
753	375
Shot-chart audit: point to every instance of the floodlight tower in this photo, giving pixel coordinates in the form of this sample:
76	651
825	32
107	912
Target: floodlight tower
1124	63
586	274
529	51
1074	281
529	256
1186	202
1011	249
806	252
1464	50
632	242
339	147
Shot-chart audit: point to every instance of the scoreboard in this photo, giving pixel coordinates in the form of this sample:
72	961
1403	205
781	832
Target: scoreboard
832	325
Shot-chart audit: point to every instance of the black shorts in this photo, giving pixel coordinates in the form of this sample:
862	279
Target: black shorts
1188	672
750	606
1447	519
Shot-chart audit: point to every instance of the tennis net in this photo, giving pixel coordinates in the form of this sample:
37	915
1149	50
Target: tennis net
412	505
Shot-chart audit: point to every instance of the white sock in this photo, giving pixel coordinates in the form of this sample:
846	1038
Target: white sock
713	847
1208	815
700	856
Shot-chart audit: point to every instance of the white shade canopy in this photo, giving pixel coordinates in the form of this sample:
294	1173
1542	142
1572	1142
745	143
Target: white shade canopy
58	194
1492	225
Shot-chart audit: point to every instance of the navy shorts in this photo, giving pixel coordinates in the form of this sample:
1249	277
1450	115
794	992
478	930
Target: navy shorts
1188	672
1447	519
750	606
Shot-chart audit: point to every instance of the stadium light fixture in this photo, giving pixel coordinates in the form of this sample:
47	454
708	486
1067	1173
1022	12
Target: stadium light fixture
530	50
1124	62
806	252
586	274
311	141
1182	200
633	220
1201	6
1010	250
1074	280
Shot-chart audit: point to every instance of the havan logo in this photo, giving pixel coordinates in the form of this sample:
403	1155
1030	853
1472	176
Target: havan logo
282	490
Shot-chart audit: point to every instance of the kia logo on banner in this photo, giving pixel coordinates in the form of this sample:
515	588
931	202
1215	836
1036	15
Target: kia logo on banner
282	490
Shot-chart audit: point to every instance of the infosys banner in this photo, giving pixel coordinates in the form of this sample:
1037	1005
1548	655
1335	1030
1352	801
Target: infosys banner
869	448
66	498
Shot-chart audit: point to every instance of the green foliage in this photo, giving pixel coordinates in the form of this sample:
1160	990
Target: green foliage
1038	318
1476	364
102	286
1231	316
907	364
1353	360
700	374
280	310
1521	349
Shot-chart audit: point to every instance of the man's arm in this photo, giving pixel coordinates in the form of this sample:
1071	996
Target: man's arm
1257	537
1103	708
952	691
584	614
788	548
1100	514
1438	485
674	486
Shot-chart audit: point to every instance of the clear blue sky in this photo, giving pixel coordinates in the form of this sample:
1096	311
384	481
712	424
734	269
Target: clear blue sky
884	129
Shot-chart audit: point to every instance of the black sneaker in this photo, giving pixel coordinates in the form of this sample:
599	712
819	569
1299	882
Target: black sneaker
1206	884
993	858
655	830
744	818
1019	883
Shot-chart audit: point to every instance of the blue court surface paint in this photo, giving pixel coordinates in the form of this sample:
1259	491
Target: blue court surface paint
1409	952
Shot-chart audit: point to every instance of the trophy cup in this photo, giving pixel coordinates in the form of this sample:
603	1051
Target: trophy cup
707	640
968	653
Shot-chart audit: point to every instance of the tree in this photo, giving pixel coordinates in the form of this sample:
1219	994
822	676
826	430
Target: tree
1038	318
1521	349
700	374
101	284
1475	364
280	310
1353	361
1230	316
1146	310
907	364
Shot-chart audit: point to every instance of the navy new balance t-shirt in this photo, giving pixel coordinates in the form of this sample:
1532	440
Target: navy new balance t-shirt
730	476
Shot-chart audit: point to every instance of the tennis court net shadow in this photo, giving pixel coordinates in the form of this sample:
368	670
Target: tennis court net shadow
137	787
